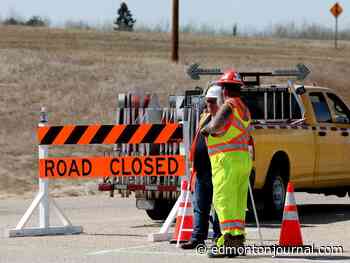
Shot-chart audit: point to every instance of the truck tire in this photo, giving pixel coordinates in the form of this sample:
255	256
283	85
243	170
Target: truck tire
161	210
275	192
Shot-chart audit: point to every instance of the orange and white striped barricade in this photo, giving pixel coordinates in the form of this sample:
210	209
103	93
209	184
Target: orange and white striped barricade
93	167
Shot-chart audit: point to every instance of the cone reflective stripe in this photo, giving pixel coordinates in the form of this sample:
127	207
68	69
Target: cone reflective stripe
185	211
290	230
290	200
184	219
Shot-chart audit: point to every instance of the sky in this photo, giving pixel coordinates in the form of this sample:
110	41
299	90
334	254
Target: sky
248	14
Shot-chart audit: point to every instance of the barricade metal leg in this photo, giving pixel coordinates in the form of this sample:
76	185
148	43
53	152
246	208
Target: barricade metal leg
164	234
43	201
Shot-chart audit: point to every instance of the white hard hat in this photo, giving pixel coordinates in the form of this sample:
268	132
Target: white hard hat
214	91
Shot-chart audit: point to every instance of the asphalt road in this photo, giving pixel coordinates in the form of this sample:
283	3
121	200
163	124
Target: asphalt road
115	231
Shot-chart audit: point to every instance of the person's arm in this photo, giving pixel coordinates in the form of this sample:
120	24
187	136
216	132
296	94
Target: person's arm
220	123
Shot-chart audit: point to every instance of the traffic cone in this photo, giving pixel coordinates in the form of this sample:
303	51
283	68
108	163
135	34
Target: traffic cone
184	218
290	230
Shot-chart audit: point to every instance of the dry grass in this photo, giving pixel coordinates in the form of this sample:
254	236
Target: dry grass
78	74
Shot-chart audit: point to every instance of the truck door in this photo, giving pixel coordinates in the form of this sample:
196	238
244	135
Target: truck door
341	120
329	149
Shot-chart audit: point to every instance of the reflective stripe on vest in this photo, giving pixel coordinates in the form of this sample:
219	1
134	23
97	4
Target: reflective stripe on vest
239	144
228	148
232	224
241	139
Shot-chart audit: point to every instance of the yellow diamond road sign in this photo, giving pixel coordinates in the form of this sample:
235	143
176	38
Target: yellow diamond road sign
336	9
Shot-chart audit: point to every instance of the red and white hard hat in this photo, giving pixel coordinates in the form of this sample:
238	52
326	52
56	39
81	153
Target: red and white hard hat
230	77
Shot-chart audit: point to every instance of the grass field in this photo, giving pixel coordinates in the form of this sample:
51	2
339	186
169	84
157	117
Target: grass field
78	74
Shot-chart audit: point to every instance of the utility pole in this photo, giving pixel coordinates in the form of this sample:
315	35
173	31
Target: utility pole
175	32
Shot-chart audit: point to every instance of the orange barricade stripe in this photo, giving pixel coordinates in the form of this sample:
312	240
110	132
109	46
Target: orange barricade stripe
94	167
64	134
42	132
140	133
166	133
89	134
114	134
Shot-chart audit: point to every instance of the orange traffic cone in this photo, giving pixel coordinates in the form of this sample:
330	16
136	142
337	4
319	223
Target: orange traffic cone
184	218
290	230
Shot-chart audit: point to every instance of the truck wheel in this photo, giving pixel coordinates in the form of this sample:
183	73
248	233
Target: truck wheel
161	210
275	193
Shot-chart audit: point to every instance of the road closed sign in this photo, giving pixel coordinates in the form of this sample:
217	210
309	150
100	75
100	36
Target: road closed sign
93	167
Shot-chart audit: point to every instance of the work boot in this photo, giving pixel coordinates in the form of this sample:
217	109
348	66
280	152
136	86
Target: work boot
233	242
192	244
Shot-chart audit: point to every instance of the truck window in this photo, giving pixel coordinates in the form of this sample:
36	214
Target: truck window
341	111
320	107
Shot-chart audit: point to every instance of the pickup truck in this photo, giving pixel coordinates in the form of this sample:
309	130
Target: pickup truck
300	134
302	137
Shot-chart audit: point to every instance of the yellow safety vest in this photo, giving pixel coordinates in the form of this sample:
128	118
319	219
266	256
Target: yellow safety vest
236	135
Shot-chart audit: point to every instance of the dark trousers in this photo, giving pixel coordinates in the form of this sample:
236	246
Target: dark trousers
202	200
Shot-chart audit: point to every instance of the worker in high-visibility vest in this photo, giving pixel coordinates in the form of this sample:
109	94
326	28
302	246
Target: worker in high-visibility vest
228	137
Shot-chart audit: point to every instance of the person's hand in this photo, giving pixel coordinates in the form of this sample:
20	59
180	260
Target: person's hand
204	132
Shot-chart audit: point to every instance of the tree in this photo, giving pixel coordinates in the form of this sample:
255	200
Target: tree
124	21
36	21
12	21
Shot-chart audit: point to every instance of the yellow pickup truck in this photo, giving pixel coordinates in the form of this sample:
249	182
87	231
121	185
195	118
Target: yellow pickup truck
301	134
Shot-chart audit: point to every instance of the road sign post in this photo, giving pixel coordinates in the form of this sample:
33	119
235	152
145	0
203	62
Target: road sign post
336	10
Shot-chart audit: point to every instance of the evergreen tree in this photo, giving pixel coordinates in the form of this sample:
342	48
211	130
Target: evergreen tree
36	21
124	21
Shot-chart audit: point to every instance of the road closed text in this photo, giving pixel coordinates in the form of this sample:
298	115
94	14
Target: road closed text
91	167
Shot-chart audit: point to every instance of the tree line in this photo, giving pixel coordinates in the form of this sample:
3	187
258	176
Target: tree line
123	22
